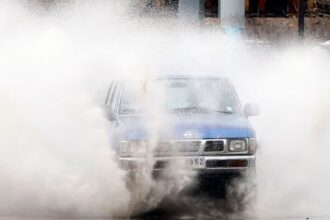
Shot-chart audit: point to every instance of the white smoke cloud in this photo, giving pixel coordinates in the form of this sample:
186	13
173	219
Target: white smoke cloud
56	156
55	153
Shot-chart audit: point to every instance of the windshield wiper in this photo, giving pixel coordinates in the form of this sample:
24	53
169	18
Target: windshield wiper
197	109
224	111
129	111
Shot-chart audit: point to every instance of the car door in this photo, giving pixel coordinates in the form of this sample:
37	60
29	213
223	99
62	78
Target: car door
111	107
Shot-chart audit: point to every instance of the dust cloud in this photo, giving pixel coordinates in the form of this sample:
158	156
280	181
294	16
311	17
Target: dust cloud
55	142
56	64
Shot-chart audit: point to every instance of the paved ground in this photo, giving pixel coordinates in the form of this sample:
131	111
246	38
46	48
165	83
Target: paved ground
169	217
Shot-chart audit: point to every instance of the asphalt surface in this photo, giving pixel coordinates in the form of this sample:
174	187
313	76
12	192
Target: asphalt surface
177	211
169	217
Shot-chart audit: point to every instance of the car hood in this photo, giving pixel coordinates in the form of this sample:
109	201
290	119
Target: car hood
184	126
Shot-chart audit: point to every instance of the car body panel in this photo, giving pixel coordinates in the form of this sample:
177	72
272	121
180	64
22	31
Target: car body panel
181	126
201	126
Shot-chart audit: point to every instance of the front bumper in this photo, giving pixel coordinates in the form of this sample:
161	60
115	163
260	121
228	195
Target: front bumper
211	164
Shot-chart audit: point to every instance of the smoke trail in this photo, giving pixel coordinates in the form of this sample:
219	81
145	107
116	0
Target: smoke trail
56	157
55	148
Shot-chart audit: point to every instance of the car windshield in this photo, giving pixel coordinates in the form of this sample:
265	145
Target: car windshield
180	96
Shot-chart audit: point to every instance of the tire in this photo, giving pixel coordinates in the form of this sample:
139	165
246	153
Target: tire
241	193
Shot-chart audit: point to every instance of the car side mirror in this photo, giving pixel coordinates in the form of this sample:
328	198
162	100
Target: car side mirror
251	109
110	115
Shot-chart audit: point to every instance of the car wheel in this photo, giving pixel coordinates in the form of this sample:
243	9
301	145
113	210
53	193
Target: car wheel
241	193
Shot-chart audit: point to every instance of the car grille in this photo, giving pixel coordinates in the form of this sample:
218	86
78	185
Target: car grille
164	147
177	146
214	146
187	146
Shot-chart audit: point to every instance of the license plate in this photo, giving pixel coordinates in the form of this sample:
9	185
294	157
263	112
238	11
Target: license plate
195	162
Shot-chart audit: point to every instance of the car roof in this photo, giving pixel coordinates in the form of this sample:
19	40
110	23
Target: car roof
179	76
189	76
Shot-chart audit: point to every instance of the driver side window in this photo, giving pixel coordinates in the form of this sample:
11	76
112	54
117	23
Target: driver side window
110	103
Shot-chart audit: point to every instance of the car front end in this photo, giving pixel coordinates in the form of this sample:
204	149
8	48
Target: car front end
190	124
207	156
209	145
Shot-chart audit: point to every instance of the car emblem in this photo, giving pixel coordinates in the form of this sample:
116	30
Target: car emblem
187	134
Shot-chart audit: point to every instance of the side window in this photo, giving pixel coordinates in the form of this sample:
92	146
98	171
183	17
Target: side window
109	94
115	97
109	103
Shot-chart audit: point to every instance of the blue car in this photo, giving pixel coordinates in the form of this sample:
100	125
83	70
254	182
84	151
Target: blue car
187	122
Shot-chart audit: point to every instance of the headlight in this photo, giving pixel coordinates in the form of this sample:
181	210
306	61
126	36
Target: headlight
252	145
133	148
124	148
237	146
